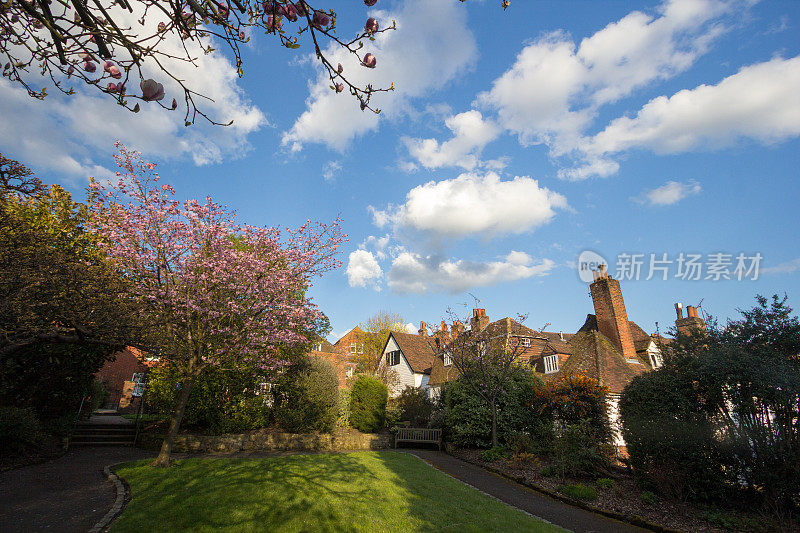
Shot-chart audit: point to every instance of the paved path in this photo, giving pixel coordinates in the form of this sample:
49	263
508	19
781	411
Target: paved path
67	494
535	503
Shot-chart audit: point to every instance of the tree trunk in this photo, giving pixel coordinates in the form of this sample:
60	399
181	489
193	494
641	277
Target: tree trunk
175	423
494	423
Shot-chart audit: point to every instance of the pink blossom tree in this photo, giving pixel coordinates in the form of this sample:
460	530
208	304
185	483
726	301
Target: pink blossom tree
219	293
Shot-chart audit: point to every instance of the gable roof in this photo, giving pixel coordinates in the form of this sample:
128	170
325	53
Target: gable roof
417	349
355	330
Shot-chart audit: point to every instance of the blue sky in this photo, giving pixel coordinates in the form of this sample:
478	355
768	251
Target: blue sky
515	141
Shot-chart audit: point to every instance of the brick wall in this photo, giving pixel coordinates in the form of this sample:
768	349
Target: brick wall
115	373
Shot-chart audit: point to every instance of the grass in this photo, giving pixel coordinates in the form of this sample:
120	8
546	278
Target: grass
578	492
363	491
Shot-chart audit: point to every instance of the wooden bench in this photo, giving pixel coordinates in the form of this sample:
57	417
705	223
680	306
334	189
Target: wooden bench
418	436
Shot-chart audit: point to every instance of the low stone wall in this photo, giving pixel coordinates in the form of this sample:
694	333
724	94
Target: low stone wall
270	441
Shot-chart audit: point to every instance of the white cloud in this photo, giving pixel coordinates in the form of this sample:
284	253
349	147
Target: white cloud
363	269
330	170
414	273
760	102
430	46
783	268
60	133
473	204
670	193
552	93
471	133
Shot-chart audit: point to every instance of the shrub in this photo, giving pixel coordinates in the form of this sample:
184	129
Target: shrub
669	437
394	416
98	394
221	401
649	497
343	418
469	418
309	397
368	404
576	451
493	454
605	483
578	492
20	430
548	471
415	406
575	398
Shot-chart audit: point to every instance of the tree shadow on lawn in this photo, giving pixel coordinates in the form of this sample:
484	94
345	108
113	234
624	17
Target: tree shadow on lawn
436	501
297	492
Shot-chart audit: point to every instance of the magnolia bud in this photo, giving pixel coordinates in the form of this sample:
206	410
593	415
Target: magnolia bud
111	87
369	61
174	103
339	87
370	3
321	19
371	26
161	26
89	66
340	68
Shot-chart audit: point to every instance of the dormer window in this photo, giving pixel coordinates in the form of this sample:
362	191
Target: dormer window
655	359
352	347
448	359
550	364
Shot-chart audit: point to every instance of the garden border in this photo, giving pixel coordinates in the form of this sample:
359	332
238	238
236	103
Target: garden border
629	519
123	496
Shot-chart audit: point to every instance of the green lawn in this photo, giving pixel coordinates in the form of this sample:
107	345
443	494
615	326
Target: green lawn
364	491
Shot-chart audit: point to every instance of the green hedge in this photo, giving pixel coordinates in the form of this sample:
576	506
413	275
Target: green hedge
368	404
20	431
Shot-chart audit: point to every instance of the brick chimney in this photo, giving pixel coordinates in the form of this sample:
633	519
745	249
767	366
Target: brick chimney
691	322
609	308
479	320
457	329
423	329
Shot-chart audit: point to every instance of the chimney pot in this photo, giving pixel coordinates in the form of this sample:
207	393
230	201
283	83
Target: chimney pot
691	311
423	328
679	309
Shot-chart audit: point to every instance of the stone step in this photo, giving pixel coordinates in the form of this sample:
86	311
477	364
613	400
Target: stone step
102	443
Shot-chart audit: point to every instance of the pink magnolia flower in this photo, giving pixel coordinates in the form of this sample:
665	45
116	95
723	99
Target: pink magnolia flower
113	70
89	66
321	19
369	61
301	8
339	87
371	26
70	70
289	11
161	26
151	90
112	87
370	3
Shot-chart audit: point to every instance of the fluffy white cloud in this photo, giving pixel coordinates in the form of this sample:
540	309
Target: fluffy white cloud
430	46
363	269
473	204
330	170
551	93
471	133
60	132
414	273
760	102
670	193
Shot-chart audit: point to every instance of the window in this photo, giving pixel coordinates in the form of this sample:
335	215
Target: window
526	341
140	381
655	359
361	348
550	364
319	347
350	372
352	347
448	359
393	358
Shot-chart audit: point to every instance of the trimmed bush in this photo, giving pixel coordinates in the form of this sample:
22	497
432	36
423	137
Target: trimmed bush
493	454
343	418
578	492
309	397
368	404
415	406
20	430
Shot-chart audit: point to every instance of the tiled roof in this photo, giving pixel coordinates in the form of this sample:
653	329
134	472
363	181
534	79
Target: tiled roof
441	374
594	354
417	349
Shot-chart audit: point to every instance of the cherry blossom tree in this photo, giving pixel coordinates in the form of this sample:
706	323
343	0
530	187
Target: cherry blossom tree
108	43
222	294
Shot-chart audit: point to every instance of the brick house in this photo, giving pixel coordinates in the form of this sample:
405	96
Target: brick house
120	375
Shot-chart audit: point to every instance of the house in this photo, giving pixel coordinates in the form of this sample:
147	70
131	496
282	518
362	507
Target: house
351	342
532	345
410	358
123	376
